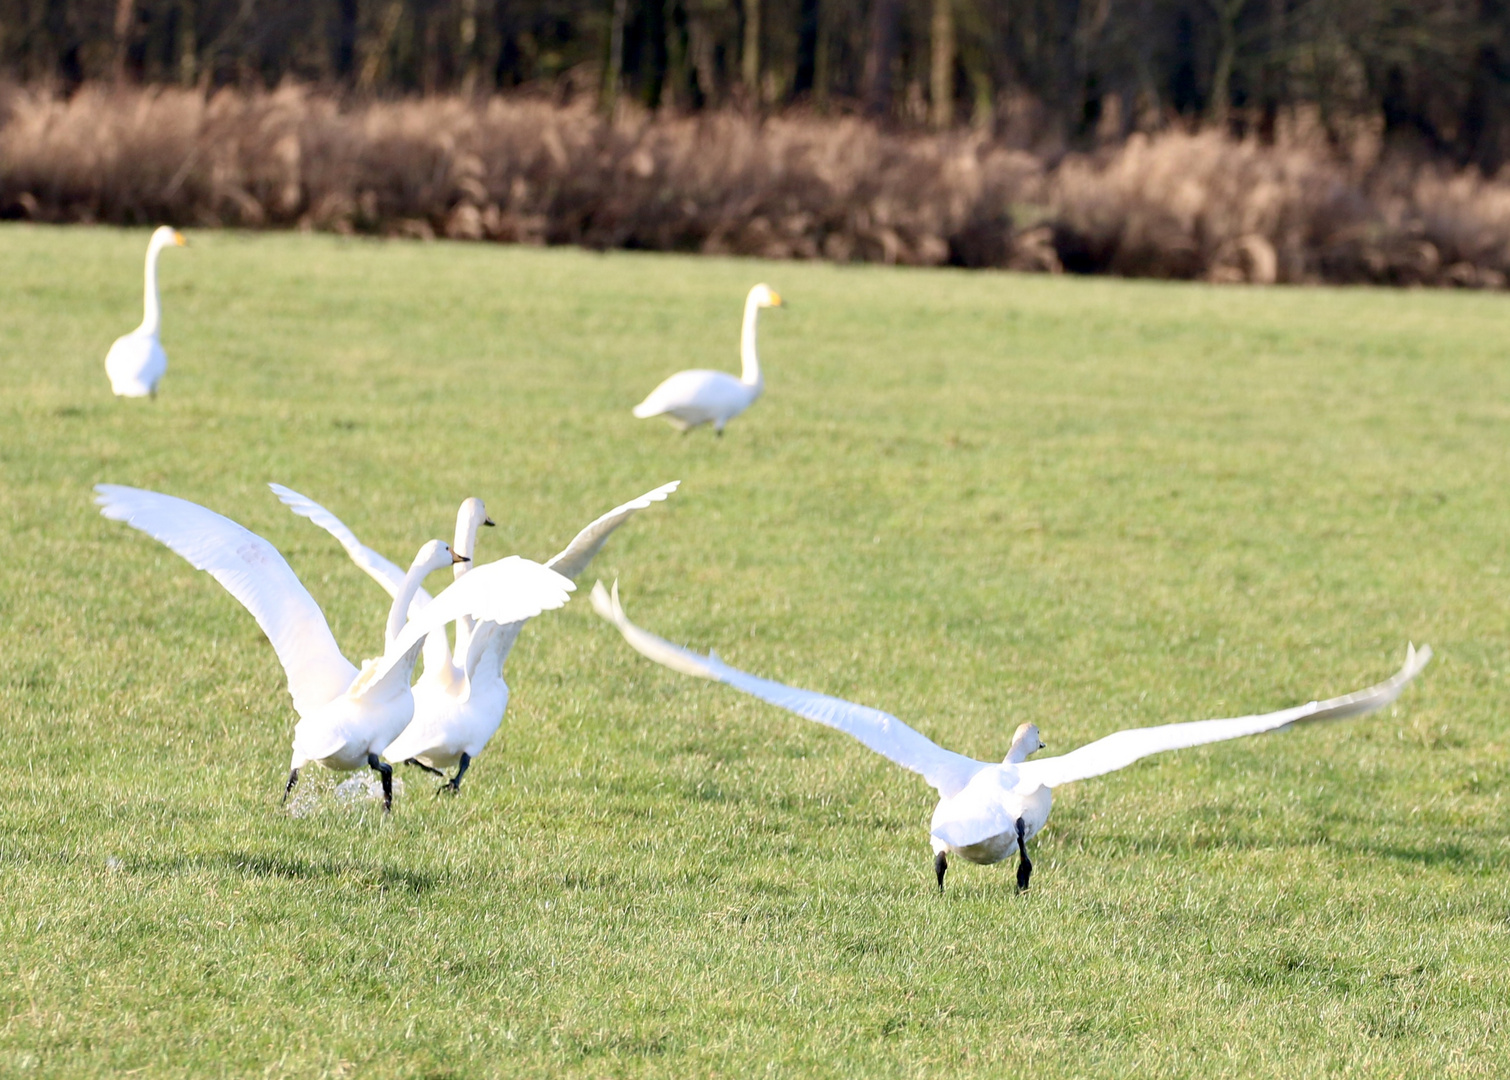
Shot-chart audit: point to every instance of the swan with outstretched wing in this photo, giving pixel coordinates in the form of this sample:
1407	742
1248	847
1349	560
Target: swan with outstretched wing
460	699
989	810
347	715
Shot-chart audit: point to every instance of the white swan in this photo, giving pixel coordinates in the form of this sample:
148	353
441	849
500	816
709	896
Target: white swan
690	398
347	717
459	703
136	362
986	811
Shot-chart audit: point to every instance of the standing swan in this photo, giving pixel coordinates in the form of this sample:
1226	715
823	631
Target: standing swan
136	362
347	717
988	811
690	398
459	703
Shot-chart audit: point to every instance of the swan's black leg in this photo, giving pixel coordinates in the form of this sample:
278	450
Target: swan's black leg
1024	864
384	770
940	865
421	765
455	784
293	778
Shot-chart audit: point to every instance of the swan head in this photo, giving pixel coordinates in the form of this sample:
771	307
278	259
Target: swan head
469	518
763	295
471	515
436	554
167	236
1025	741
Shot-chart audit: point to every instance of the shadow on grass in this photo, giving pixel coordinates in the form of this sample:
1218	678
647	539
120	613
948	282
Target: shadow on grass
272	867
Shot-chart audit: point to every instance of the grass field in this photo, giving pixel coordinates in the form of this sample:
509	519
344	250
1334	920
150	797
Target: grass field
970	499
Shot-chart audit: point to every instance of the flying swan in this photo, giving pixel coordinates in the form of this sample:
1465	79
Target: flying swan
459	702
136	362
987	811
690	398
347	717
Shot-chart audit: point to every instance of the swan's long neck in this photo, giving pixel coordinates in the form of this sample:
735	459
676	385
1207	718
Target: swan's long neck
152	312
398	614
749	362
468	520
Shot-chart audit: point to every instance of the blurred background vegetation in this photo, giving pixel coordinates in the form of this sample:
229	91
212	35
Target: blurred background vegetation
1432	72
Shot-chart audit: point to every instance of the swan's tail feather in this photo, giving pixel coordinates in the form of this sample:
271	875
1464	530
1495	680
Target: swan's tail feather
649	645
646	409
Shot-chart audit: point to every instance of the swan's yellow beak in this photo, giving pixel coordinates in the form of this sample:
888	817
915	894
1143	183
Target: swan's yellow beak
178	238
455	558
775	298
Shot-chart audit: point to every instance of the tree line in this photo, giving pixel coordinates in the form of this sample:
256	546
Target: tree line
1435	73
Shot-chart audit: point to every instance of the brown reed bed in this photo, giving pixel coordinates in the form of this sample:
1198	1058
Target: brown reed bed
1175	204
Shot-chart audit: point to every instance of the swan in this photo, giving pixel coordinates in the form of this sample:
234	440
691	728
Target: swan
136	362
690	398
347	716
986	811
459	703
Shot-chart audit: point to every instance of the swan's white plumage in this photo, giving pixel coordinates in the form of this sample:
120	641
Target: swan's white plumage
885	734
136	361
345	714
981	802
1119	750
460	702
573	559
385	573
690	398
254	573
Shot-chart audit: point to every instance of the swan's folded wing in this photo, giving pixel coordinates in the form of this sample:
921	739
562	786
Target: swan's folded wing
507	591
254	573
379	569
885	734
1125	747
573	559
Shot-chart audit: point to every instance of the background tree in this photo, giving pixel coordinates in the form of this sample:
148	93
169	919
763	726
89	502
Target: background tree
1434	74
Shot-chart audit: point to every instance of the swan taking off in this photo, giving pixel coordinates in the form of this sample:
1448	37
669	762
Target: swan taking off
987	811
690	398
459	703
136	362
347	717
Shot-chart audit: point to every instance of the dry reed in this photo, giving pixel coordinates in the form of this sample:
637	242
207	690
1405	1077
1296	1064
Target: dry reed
524	170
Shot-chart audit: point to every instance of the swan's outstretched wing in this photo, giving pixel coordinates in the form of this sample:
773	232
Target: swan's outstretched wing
254	573
573	559
885	734
507	591
1125	747
379	569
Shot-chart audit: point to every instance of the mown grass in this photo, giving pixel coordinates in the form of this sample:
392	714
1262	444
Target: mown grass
971	499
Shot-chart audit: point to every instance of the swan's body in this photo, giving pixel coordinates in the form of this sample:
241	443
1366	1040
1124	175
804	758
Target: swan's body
347	717
136	362
987	810
690	398
459	701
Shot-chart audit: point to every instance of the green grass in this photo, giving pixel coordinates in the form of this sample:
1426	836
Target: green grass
970	499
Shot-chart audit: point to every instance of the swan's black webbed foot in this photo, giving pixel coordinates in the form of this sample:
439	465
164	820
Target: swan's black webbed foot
940	865
453	785
417	763
293	778
384	770
1024	864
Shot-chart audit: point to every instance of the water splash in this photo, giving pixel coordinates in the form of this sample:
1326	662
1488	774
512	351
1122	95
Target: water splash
320	790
